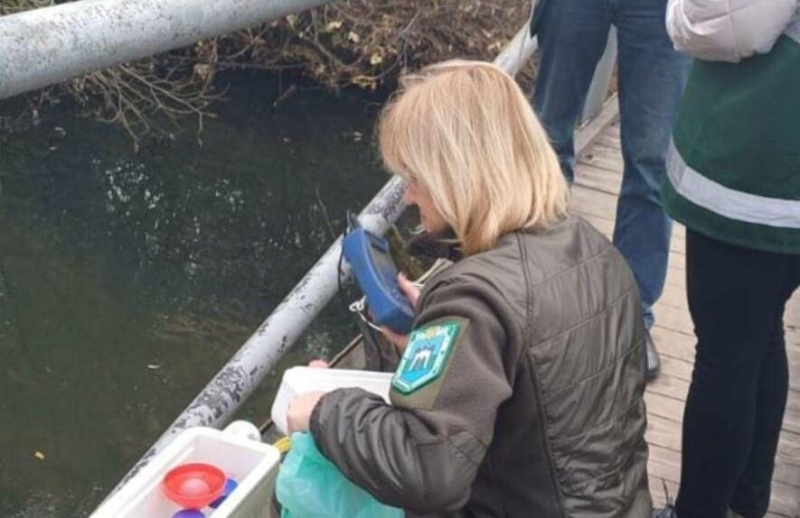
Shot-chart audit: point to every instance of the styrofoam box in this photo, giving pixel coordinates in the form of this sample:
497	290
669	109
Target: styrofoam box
300	380
253	464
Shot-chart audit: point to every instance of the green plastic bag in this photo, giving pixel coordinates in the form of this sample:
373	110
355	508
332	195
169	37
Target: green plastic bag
311	486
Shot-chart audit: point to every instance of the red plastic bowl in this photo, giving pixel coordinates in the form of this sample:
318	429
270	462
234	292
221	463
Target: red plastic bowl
194	485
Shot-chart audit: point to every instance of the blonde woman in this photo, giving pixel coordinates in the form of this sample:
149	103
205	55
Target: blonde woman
519	393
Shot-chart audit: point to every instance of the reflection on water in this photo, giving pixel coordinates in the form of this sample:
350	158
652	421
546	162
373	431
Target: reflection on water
127	280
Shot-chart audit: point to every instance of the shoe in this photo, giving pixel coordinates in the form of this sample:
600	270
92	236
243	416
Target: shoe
653	361
667	511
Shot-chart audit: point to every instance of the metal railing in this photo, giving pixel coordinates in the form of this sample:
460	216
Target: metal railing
52	44
596	96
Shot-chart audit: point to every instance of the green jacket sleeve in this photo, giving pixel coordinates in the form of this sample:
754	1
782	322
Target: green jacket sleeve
422	452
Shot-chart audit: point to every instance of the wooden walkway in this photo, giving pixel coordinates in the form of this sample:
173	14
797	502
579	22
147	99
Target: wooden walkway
597	182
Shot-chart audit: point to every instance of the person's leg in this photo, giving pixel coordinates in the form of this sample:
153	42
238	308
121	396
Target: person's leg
572	35
736	297
751	496
652	76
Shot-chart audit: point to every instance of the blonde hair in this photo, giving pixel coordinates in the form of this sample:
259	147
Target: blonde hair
466	133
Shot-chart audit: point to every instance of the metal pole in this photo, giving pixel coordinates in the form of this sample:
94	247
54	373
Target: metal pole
519	50
50	45
245	371
598	91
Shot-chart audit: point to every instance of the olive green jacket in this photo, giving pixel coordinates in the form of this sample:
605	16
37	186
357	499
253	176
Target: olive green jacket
538	411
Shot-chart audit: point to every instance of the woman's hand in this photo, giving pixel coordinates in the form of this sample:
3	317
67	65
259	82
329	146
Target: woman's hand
298	416
412	294
409	290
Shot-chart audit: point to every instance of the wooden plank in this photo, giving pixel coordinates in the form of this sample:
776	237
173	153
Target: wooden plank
602	156
610	138
597	179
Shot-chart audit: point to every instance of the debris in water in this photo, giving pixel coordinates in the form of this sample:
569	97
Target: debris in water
39	455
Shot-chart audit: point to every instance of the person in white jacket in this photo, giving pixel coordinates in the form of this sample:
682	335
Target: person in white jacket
733	178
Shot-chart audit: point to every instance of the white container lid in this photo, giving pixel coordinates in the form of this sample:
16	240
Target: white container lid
301	380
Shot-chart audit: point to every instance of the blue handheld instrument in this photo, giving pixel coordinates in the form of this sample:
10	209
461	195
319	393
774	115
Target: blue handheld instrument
376	274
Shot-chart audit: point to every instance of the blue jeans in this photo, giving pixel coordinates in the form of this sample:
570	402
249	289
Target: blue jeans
572	35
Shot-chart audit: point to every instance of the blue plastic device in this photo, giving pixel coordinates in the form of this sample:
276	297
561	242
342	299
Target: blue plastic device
376	274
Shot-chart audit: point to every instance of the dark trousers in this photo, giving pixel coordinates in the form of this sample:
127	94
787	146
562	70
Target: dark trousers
740	381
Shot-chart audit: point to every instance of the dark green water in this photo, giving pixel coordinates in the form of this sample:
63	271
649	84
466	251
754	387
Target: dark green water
128	279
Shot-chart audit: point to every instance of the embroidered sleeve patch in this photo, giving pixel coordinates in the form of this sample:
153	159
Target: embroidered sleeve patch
425	356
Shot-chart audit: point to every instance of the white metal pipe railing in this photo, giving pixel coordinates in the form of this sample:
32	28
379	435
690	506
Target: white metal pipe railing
49	45
518	51
598	90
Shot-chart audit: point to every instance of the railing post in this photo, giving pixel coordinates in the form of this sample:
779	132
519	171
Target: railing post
598	91
518	51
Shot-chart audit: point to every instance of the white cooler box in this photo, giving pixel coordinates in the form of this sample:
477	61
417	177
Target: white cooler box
242	456
300	380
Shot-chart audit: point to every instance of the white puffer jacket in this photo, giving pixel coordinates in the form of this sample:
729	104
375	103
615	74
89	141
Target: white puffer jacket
728	30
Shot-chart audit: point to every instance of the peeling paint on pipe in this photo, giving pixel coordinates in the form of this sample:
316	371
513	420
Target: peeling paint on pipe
49	45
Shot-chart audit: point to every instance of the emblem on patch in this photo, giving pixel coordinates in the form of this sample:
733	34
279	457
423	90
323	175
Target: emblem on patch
425	356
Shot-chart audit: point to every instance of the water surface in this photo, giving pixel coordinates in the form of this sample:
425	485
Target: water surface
128	279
